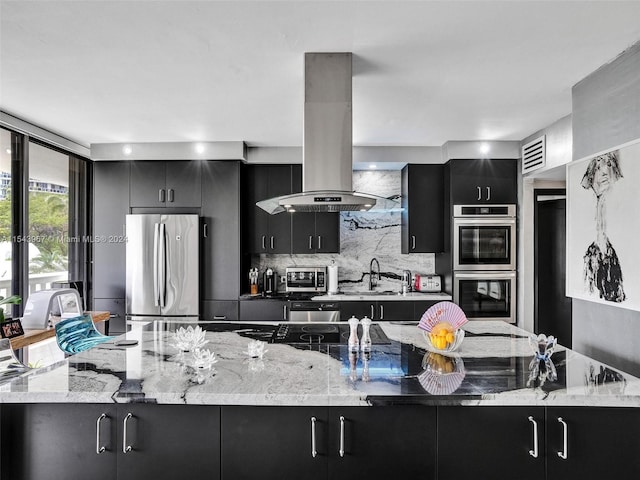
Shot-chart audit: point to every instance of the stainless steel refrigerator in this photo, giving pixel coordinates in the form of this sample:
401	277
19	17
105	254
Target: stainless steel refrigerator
162	265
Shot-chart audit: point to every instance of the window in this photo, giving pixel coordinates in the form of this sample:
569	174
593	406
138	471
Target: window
5	217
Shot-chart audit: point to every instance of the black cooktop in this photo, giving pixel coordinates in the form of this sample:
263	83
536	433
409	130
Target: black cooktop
324	334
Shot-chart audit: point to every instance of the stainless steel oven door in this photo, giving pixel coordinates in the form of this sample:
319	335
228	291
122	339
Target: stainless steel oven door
484	243
486	295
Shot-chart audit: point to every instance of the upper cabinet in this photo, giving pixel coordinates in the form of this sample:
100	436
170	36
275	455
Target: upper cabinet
165	183
311	232
266	233
422	209
483	181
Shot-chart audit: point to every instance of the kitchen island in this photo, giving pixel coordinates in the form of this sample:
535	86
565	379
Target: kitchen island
298	410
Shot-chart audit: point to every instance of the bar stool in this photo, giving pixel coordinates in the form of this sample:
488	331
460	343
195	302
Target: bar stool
10	366
78	334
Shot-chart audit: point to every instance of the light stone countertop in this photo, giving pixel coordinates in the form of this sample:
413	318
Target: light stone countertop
490	368
378	297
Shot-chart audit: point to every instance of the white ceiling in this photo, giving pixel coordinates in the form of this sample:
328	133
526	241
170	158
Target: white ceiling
425	72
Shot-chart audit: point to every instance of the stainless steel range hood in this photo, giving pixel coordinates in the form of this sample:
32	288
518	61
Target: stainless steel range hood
327	162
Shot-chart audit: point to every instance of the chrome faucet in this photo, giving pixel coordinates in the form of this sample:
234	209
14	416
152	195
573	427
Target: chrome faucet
372	280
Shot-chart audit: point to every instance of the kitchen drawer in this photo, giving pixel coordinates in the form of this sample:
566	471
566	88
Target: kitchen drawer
219	310
264	310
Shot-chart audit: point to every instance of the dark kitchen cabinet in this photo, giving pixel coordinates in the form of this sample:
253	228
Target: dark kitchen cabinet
65	441
322	443
596	446
219	310
494	442
165	183
220	241
264	309
265	233
483	181
168	442
313	232
382	442
377	310
422	229
421	306
110	207
42	441
274	442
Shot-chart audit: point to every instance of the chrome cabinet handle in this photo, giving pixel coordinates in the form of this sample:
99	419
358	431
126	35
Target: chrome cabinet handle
264	242
170	195
319	242
479	193
534	452
314	451
372	312
488	193
125	448
565	432
99	448
341	451
114	315
205	230
310	242
219	317
413	242
381	312
161	195
284	311
272	242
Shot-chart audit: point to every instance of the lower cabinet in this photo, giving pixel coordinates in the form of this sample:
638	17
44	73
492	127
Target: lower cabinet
116	308
328	442
264	310
125	441
491	442
380	311
593	443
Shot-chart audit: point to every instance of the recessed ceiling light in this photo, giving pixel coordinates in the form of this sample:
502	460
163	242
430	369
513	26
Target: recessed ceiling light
484	148
127	150
199	148
372	166
292	210
8	150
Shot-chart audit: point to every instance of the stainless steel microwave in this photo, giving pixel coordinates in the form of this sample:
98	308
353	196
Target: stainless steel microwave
484	237
306	279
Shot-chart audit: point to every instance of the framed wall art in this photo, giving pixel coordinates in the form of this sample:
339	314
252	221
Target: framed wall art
603	227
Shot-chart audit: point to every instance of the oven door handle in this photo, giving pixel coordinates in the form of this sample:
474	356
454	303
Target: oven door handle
506	275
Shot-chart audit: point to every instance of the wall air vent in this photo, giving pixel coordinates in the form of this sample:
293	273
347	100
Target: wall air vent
534	155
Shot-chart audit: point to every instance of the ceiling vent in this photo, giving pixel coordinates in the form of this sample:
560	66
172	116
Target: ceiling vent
534	155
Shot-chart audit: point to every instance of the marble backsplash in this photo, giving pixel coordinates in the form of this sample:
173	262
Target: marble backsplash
363	236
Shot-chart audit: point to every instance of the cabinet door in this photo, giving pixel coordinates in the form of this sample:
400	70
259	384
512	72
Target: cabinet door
483	181
256	220
600	443
327	232
357	309
268	310
395	310
168	442
303	232
422	229
274	442
110	206
421	306
382	442
147	184
220	248
279	236
183	183
495	443
42	441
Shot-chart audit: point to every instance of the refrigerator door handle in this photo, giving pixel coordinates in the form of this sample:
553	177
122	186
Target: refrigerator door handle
162	281
156	235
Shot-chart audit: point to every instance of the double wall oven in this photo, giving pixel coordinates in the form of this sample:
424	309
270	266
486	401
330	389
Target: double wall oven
484	261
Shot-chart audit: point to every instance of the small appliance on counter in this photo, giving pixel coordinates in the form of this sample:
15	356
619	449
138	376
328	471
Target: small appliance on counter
306	279
44	306
269	281
427	283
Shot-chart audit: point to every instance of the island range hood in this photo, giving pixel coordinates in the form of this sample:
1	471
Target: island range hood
327	162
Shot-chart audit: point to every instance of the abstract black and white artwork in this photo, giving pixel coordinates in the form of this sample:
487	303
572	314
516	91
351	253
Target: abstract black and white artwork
603	227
